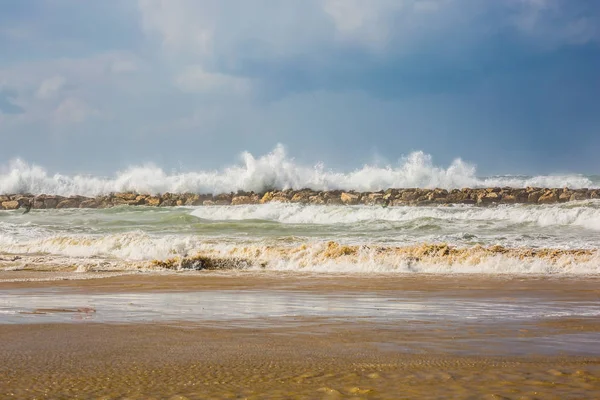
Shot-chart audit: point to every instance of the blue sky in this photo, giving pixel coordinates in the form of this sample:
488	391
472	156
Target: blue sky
94	87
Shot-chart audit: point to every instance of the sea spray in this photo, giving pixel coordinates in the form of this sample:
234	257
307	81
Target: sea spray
274	170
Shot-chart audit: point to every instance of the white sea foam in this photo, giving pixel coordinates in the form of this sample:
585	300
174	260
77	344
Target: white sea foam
131	246
271	171
582	214
134	251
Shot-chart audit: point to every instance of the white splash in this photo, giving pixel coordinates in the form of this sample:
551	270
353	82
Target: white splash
271	171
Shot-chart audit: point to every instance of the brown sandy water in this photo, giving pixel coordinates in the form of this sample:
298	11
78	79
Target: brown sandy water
277	335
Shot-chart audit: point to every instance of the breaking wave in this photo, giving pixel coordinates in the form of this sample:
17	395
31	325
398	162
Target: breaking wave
138	251
274	170
585	214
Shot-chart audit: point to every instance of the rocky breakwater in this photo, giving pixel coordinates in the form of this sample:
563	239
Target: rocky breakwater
390	197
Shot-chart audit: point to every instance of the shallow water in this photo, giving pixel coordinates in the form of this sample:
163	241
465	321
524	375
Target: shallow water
24	305
269	309
130	234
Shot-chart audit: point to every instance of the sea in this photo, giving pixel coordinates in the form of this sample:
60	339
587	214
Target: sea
502	239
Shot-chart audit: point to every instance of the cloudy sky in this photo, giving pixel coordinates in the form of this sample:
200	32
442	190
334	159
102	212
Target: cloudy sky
94	87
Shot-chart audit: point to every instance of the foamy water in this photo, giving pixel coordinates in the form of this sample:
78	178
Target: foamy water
274	170
294	237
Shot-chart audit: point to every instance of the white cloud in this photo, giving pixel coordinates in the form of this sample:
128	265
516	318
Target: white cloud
50	87
73	110
554	22
225	32
364	23
180	24
123	66
196	79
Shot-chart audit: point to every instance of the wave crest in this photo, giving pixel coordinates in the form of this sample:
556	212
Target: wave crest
274	170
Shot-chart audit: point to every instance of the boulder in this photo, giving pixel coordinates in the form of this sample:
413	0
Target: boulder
579	195
509	199
69	203
240	200
550	197
10	205
126	196
489	197
90	203
267	197
409	195
301	197
334	200
565	196
152	201
349	198
534	196
38	202
373	198
316	200
280	198
168	202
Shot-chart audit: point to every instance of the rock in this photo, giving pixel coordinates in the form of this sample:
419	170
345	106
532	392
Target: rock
10	205
69	203
565	196
334	201
91	203
489	197
509	199
38	202
549	197
222	198
126	196
208	203
595	194
579	195
239	200
188	199
168	202
437	194
372	198
349	198
152	201
534	196
280	199
390	194
267	197
301	197
316	200
410	195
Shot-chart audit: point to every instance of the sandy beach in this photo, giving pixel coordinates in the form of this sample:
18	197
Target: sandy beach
195	335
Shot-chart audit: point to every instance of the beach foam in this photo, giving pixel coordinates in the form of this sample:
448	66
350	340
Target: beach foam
142	252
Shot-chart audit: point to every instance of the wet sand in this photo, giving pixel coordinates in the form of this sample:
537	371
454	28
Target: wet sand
528	338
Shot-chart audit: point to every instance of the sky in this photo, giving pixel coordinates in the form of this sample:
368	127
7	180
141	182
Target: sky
94	87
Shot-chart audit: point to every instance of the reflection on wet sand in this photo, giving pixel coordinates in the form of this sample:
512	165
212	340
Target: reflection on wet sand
272	336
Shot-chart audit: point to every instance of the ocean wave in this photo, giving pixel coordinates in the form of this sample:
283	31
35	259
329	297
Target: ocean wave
142	253
274	170
585	214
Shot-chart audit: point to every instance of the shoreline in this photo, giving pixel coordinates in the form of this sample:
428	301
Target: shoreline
298	352
391	197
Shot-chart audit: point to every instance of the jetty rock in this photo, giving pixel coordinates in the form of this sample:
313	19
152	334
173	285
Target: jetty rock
390	197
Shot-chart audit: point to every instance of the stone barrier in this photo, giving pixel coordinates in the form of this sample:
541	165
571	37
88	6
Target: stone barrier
390	197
